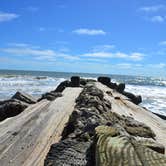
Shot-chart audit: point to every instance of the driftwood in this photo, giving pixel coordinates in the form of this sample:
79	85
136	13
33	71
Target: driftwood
26	138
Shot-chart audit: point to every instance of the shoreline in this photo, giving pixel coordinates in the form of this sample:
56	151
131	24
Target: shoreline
153	95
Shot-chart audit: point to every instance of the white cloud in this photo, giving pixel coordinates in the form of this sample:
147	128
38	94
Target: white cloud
98	55
18	44
28	51
45	57
102	48
21	49
158	19
162	43
159	66
42	28
124	65
154	8
136	56
7	16
133	56
92	32
39	54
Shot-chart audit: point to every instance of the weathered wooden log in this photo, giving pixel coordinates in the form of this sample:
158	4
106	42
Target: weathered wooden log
26	138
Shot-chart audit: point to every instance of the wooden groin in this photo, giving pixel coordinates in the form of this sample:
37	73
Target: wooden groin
92	123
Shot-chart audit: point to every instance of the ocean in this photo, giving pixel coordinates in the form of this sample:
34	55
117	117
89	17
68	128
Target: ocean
152	89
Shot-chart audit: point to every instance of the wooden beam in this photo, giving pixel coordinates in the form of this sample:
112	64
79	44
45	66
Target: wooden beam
25	139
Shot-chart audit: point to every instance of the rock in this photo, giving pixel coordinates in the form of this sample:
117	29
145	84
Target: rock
114	149
135	99
68	153
50	96
91	112
121	87
41	77
112	85
24	97
117	97
83	81
142	131
62	86
75	81
11	108
150	143
138	100
159	115
104	80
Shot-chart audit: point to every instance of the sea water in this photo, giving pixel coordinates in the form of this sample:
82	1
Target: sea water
152	90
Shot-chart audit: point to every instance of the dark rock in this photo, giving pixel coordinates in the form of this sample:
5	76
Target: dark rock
62	86
90	80
24	97
104	80
75	81
83	81
41	77
11	108
159	115
117	97
138	100
109	93
50	96
69	153
135	99
112	85
121	87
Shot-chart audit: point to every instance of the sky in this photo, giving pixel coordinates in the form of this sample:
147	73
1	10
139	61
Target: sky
91	36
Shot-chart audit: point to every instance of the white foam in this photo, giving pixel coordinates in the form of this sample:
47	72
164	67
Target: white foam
154	97
28	84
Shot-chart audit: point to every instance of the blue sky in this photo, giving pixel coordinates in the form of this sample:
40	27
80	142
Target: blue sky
94	36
